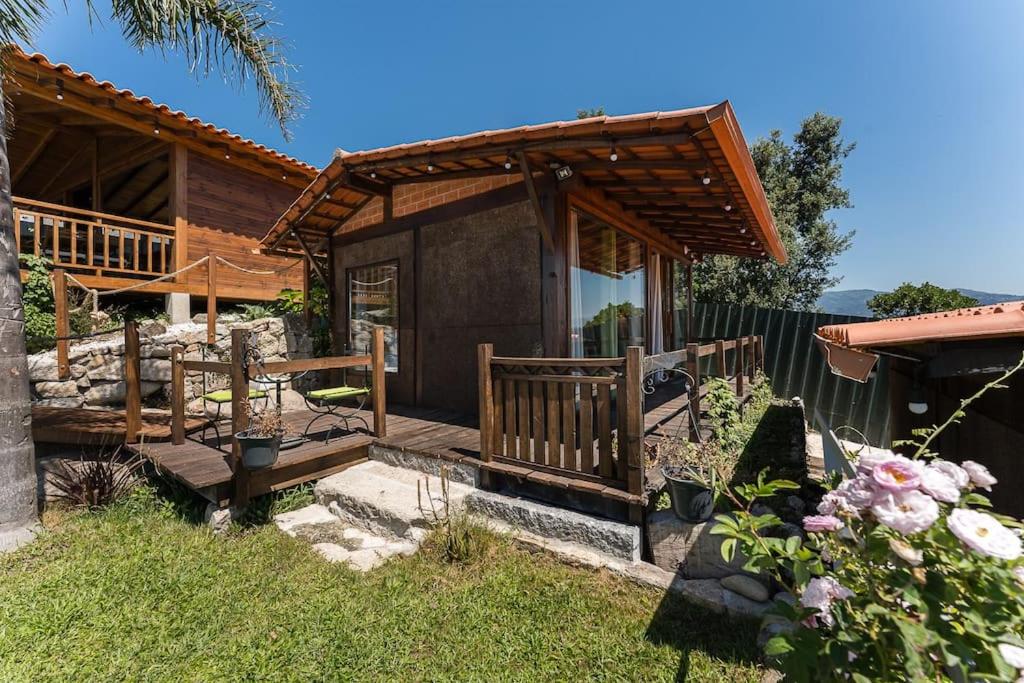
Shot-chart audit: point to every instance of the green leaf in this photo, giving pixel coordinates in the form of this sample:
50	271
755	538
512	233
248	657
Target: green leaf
728	549
777	645
792	544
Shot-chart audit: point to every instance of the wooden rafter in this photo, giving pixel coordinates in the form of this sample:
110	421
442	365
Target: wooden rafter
311	257
144	194
65	166
34	154
531	190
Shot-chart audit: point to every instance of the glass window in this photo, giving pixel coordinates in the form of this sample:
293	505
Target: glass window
607	291
679	304
373	301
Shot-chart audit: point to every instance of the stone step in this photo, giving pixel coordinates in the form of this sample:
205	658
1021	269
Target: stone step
384	500
337	541
460	472
513	514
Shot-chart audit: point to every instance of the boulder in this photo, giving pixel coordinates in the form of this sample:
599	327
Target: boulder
106	368
108	393
155	369
73	402
747	586
688	547
67	389
42	367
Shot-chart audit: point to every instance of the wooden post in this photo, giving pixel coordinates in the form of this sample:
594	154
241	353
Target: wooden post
177	395
485	389
132	389
239	416
211	298
60	305
740	353
760	353
634	436
720	359
177	206
693	369
752	360
380	427
307	310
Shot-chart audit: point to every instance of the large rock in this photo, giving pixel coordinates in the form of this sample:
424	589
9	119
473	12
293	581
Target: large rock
747	586
67	389
42	367
155	370
113	392
689	548
106	368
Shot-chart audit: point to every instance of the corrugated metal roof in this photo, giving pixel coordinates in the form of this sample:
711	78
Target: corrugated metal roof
162	110
979	322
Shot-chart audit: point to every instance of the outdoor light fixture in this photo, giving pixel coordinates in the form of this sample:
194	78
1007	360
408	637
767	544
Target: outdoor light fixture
563	173
614	156
284	176
373	174
508	162
227	155
327	195
743	230
706	179
430	168
917	402
60	89
156	127
753	243
728	208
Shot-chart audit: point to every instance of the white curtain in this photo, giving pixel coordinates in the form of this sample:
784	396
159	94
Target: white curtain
657	323
575	295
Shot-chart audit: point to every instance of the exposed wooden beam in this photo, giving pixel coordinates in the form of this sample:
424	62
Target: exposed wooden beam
142	153
638	165
441	174
546	231
310	256
365	184
144	194
127	180
34	154
64	167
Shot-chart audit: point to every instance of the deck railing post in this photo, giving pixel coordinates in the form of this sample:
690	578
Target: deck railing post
211	298
177	395
132	388
239	415
380	427
720	359
760	353
485	389
60	308
634	436
752	350
740	356
693	369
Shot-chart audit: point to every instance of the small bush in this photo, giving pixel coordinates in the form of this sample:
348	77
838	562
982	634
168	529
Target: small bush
95	483
455	536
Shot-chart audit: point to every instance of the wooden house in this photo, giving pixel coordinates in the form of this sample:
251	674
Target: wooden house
117	189
562	240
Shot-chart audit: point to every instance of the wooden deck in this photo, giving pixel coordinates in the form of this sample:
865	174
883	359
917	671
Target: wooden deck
87	427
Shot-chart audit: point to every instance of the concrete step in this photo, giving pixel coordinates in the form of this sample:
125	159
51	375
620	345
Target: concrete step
384	500
516	515
399	457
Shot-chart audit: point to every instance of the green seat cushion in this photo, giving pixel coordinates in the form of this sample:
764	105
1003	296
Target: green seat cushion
224	395
336	393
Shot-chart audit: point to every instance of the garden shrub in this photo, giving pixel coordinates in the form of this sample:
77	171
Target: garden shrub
903	575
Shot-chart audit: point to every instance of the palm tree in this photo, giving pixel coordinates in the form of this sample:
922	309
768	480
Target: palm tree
213	35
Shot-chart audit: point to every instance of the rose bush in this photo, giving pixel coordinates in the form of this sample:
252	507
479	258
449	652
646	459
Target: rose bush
903	576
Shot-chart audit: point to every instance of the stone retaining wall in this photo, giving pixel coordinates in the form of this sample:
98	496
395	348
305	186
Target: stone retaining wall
97	366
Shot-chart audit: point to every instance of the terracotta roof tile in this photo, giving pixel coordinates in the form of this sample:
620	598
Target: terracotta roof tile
162	110
980	322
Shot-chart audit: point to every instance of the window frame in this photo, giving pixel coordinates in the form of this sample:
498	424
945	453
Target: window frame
397	263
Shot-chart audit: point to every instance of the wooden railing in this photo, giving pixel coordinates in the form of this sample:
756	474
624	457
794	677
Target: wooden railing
240	373
89	241
575	418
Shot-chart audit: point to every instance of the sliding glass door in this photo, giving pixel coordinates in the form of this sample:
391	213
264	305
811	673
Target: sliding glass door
607	288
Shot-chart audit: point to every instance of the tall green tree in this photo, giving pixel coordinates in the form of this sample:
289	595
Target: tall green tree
911	299
803	182
230	37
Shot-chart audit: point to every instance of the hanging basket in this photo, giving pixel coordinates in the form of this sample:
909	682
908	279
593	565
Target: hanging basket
691	501
258	452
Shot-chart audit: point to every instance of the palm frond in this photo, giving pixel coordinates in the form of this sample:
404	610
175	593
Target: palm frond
231	37
19	22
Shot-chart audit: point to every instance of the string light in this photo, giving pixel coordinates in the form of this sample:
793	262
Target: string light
508	162
614	156
373	174
430	168
284	176
227	155
727	207
60	89
743	229
753	243
706	179
327	195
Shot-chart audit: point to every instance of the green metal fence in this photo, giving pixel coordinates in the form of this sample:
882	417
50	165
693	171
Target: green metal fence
797	368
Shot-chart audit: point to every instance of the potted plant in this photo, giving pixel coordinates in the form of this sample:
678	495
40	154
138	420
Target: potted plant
691	474
261	440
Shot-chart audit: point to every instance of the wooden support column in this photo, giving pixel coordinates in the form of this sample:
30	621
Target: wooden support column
239	416
132	385
177	205
211	298
177	395
63	326
634	436
740	355
380	427
693	369
720	369
388	202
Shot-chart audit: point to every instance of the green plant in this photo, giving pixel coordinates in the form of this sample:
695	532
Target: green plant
250	312
456	536
94	483
291	300
724	414
902	578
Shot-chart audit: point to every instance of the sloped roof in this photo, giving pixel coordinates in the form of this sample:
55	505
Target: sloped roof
167	115
687	173
979	322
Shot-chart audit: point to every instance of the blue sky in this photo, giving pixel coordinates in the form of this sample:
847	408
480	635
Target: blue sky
931	91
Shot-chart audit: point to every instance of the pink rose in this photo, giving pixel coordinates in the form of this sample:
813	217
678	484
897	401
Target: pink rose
820	523
897	474
952	470
980	476
939	485
984	533
819	594
907	512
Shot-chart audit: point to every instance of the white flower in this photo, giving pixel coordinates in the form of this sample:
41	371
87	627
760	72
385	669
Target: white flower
1013	655
906	552
908	512
869	457
1019	573
979	474
939	485
952	470
983	533
820	593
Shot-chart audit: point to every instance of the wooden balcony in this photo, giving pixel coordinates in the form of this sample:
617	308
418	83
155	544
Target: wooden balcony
92	243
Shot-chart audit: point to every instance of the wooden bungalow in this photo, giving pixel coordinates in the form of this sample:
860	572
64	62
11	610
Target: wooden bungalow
568	239
117	189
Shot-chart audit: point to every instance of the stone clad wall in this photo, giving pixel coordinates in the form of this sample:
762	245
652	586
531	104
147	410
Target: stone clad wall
97	367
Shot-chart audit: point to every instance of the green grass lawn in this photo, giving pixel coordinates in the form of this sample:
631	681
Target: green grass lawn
136	592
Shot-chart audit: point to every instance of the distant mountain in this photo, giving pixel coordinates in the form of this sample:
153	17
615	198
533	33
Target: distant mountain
855	301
